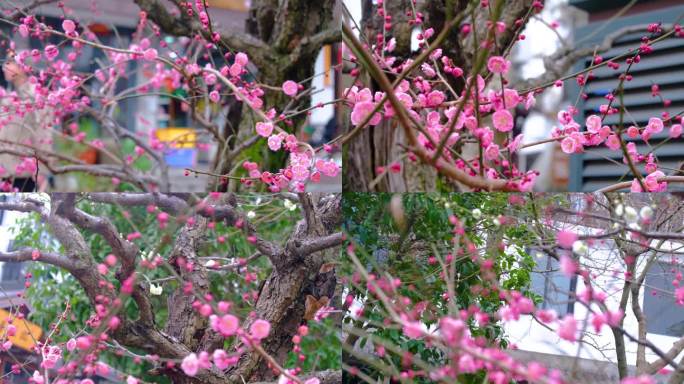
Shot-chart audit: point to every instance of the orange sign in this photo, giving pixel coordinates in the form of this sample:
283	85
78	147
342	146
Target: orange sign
327	63
233	5
27	332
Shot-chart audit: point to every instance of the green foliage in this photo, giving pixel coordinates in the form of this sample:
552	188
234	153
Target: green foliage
399	246
143	164
322	347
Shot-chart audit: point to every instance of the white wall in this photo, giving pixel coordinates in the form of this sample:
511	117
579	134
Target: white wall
9	219
529	335
322	93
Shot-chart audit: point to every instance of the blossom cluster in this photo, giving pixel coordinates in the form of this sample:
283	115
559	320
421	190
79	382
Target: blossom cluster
58	100
480	115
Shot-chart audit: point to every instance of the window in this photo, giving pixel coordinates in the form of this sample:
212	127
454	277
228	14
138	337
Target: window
12	275
3	198
664	316
556	289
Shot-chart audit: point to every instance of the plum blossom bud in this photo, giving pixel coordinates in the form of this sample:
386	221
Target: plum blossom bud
83	342
214	96
290	88
477	213
630	215
68	26
155	289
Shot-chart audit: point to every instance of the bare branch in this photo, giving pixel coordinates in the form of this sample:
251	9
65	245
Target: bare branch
26	254
23	11
169	203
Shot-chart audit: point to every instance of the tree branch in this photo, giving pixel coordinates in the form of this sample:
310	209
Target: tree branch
26	254
313	245
23	11
185	26
171	204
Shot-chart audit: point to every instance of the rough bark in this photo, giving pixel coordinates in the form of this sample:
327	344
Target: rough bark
282	298
379	146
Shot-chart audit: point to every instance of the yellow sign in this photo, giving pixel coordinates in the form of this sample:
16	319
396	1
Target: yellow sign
27	332
178	137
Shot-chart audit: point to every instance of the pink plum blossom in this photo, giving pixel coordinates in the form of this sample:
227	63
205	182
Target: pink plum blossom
565	238
190	365
275	142
593	123
498	64
260	329
227	325
567	328
362	110
502	120
568	266
264	129
414	329
290	88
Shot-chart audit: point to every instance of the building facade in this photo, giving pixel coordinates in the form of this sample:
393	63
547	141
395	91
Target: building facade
599	167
